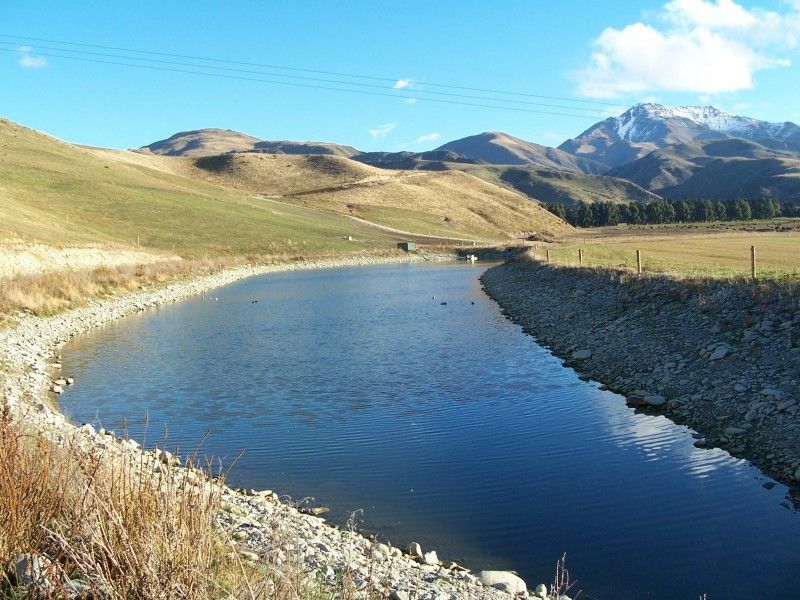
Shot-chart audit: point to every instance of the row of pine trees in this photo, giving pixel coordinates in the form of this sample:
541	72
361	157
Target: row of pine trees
600	214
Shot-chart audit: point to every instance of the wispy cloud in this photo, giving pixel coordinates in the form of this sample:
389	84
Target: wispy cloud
402	84
428	137
410	100
28	59
381	131
699	46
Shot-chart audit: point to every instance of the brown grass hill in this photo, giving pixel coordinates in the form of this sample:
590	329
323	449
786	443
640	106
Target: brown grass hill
718	170
447	204
210	142
202	142
288	147
278	175
61	195
502	149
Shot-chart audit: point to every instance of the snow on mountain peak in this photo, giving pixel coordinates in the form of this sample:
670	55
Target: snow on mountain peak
640	121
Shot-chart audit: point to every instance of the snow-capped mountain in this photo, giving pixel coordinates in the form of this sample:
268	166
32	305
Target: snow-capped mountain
647	127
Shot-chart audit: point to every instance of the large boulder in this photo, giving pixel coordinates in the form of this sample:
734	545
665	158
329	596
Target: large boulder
720	352
655	400
415	550
582	354
505	581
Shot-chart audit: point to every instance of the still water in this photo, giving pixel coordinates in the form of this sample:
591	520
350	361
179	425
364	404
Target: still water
446	424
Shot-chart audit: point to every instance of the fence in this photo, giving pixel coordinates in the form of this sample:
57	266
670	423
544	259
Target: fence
571	255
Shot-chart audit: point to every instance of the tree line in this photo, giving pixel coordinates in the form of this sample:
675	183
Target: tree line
600	214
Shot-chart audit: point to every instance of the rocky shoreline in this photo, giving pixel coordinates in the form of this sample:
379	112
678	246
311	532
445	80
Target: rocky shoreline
720	357
262	525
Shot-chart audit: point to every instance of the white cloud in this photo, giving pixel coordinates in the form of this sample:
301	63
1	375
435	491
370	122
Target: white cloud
428	137
28	59
410	100
402	84
700	46
381	131
719	14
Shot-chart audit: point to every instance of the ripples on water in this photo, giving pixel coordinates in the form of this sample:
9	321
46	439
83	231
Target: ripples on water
446	424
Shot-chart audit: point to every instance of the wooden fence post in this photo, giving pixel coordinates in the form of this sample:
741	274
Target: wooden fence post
547	251
580	256
639	263
753	273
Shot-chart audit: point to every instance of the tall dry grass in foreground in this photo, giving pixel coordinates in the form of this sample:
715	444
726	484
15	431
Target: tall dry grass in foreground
118	528
129	533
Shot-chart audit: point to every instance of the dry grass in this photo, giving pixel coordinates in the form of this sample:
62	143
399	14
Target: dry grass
686	254
128	532
123	531
49	293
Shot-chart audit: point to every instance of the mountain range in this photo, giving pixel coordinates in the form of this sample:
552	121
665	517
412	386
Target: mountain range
648	151
647	127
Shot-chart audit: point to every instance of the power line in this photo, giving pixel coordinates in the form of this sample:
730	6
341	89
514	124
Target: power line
306	85
305	70
416	92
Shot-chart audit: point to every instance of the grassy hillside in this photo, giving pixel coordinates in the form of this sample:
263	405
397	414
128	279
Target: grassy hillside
202	142
210	142
60	194
438	203
275	175
448	204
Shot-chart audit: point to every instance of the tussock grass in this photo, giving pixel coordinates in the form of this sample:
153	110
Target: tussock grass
113	525
128	532
49	293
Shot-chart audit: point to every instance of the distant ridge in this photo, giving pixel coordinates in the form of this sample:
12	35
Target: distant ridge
288	147
209	142
497	148
202	142
717	170
648	149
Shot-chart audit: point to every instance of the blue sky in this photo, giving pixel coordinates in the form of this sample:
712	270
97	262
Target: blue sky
597	56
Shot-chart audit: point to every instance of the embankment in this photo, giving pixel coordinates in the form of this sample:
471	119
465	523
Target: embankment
262	526
720	357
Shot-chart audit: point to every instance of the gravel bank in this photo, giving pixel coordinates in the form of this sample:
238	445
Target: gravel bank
259	521
722	358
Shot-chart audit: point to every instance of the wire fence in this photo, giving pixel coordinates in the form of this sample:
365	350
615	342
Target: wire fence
736	263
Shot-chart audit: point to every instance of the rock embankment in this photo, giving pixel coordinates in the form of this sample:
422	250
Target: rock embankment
720	357
264	527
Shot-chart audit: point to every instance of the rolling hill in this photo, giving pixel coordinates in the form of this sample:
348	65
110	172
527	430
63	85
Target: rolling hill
499	148
59	194
448	204
210	142
718	170
202	142
55	193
